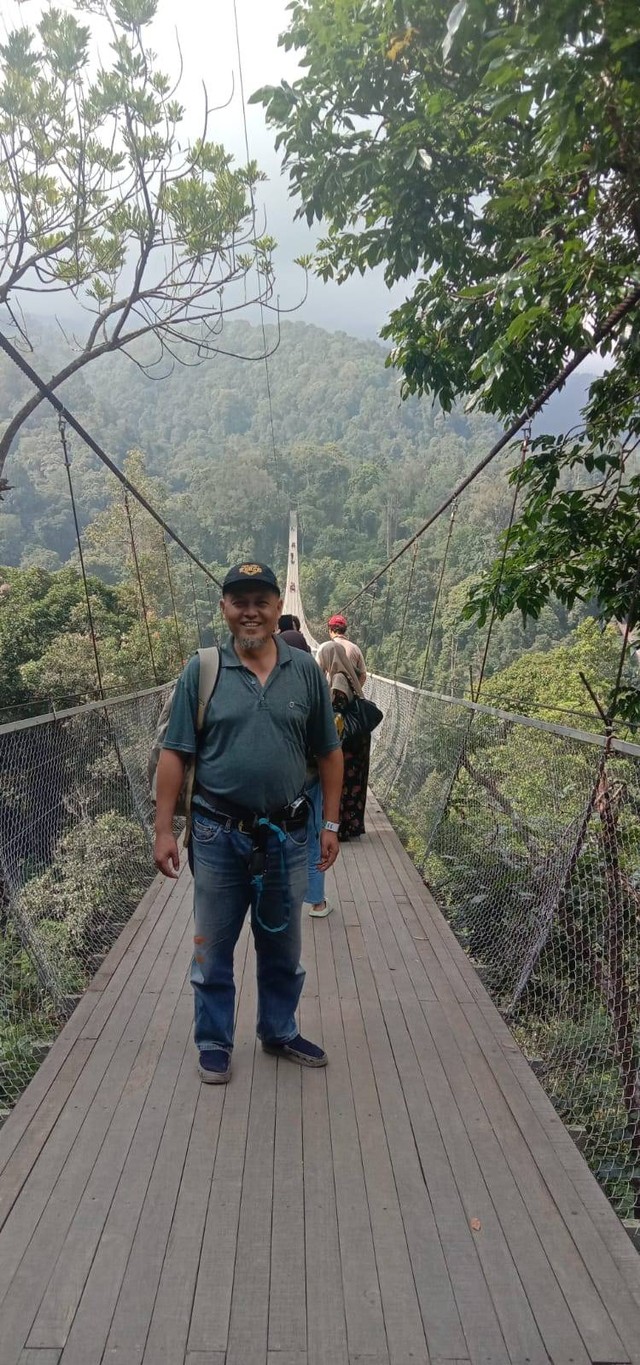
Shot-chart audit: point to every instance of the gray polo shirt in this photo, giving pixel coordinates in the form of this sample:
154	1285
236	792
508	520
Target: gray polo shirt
255	740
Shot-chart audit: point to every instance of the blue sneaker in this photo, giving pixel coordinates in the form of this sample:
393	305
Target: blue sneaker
214	1066
298	1050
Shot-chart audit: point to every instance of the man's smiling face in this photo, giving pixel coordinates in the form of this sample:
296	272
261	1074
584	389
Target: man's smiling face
251	614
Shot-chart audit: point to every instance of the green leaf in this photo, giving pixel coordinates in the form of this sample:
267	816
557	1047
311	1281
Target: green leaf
454	21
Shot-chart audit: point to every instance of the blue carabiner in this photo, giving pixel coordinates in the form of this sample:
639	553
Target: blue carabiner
258	882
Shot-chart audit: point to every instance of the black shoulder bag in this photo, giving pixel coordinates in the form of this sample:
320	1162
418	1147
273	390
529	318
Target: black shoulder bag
360	717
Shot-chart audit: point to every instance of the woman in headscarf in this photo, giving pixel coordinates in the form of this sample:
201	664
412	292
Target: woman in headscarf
343	682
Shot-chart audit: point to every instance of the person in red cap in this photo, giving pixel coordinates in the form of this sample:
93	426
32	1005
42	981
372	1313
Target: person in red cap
338	631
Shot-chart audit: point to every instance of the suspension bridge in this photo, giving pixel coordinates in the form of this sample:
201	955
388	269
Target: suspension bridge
420	1201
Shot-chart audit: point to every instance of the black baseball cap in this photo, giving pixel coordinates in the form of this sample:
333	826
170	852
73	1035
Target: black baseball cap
251	574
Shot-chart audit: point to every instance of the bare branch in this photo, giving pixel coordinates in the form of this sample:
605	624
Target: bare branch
101	202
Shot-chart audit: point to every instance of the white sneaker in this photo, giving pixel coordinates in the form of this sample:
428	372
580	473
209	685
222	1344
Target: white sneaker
321	910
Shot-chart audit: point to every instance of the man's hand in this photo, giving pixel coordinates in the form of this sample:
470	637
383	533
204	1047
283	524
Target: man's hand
169	779
329	850
331	769
165	854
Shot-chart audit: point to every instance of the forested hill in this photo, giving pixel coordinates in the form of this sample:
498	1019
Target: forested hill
205	431
363	468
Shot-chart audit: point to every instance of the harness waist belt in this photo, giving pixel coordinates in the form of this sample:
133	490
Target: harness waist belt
227	812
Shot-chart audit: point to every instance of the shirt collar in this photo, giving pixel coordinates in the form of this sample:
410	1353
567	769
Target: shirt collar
229	658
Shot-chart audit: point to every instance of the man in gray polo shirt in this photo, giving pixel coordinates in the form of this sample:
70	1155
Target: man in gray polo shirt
271	708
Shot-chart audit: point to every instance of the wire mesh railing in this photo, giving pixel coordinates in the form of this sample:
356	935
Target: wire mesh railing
529	836
75	860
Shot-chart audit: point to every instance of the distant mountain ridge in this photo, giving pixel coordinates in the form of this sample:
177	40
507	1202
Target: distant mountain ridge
200	425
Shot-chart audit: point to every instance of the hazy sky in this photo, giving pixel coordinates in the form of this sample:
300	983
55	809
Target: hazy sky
206	33
208	42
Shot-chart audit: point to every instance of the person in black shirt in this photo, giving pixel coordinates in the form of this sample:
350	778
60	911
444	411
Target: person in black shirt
289	629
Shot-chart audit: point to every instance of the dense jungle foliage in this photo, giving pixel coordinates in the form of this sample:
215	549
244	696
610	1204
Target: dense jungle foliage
488	155
363	468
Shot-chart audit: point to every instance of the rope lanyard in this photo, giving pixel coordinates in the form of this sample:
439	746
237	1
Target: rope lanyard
259	852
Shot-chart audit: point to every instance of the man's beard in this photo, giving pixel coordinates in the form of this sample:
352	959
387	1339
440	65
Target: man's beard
251	642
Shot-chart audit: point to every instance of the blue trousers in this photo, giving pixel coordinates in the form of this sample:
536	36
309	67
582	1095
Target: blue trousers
223	893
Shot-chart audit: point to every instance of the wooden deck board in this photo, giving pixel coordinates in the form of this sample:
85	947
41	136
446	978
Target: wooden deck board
43	1100
326	1318
439	1311
305	1217
361	1287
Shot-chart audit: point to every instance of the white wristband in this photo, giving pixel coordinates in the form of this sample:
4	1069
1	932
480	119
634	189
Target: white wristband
331	826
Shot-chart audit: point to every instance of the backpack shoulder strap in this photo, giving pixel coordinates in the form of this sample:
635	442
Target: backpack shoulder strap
209	672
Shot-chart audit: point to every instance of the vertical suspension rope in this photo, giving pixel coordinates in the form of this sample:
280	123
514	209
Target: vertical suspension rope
62	428
107	716
276	466
173	600
526	439
195	604
143	604
366	626
438	592
469	724
406	607
387	604
213	616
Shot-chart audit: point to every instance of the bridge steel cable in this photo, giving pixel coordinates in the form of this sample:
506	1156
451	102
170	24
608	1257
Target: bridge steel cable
48	393
604	330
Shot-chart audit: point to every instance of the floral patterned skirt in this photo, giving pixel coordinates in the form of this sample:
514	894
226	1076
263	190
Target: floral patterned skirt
354	789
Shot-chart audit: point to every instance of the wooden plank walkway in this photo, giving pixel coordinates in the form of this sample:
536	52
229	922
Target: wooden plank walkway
419	1201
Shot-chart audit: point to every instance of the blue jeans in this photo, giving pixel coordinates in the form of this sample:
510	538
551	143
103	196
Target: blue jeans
315	884
223	893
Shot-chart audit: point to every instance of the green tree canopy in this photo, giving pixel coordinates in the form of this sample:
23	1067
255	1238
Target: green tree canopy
40	611
494	151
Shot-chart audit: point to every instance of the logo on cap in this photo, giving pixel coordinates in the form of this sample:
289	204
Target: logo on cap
250	569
